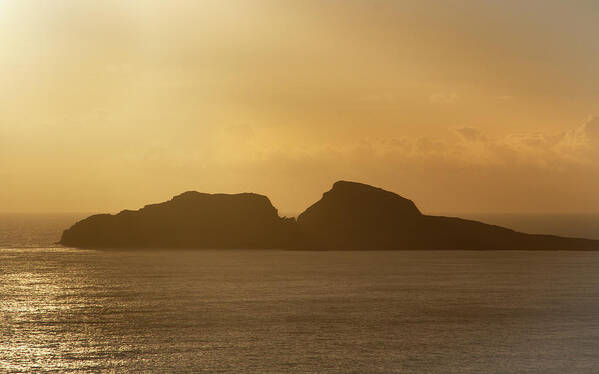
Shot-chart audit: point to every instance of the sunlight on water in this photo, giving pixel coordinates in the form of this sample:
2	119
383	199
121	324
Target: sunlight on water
286	312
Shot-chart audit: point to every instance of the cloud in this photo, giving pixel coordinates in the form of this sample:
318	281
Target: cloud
477	170
591	129
241	145
473	170
542	150
470	133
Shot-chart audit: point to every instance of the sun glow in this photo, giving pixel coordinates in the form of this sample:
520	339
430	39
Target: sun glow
277	96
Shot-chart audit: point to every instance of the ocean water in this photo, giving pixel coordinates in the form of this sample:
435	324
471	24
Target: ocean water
27	230
70	310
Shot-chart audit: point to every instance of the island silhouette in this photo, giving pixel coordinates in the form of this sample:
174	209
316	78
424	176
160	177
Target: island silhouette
351	216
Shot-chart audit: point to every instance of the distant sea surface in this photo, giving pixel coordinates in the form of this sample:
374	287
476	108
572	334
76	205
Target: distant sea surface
575	225
18	230
64	309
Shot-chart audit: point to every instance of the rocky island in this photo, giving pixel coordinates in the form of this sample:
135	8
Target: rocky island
351	216
189	220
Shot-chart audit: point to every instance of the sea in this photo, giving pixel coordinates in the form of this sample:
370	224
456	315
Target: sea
276	311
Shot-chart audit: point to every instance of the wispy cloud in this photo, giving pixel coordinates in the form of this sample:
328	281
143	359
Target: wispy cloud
470	134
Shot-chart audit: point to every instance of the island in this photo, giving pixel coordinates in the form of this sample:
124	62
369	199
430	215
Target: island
189	220
351	216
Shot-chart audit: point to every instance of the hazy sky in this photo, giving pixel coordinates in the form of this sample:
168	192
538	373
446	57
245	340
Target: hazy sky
462	106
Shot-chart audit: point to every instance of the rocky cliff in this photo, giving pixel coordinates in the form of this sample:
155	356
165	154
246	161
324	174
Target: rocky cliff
358	216
351	215
189	220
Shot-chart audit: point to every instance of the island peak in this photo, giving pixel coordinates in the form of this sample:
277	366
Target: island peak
350	215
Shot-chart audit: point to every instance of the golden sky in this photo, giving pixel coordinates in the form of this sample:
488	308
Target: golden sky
462	106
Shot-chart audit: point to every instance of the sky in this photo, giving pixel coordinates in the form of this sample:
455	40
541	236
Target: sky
461	106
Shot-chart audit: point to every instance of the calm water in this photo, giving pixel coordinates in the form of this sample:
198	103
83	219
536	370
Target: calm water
292	312
299	312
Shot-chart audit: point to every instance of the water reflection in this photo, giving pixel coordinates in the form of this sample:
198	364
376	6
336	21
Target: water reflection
280	311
